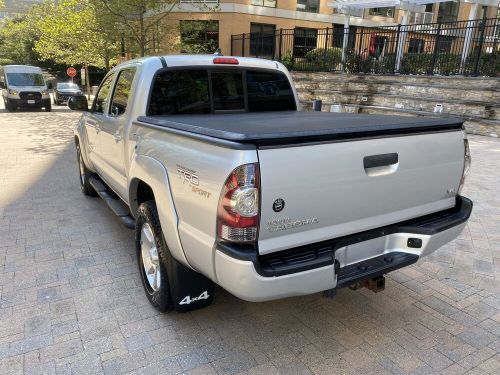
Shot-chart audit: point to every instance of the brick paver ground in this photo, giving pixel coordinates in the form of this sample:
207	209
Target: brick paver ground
71	301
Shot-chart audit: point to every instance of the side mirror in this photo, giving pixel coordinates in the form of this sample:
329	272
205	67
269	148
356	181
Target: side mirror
50	86
2	84
78	103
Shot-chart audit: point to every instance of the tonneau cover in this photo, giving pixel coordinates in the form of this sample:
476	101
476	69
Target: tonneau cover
277	127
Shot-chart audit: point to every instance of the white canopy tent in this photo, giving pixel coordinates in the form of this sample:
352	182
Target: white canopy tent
349	7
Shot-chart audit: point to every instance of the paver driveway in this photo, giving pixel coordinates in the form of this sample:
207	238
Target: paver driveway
72	303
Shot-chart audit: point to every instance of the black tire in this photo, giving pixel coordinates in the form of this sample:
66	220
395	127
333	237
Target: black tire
48	108
84	175
8	106
161	299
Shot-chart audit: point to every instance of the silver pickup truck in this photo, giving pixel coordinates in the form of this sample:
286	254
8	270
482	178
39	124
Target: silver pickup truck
225	180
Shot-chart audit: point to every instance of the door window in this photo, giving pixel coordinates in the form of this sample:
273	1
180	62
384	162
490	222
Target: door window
122	92
101	99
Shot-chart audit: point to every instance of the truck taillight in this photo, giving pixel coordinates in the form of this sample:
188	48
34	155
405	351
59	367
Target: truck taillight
239	205
467	162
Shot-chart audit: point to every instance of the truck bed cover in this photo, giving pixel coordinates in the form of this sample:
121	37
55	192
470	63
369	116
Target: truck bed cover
268	128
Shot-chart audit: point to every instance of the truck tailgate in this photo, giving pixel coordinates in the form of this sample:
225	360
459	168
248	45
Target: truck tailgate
315	192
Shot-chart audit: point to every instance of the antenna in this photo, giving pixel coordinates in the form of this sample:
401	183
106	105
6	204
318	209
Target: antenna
218	52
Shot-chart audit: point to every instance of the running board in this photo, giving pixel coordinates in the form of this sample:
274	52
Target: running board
373	267
116	205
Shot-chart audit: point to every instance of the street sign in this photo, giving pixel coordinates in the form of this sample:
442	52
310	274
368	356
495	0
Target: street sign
71	72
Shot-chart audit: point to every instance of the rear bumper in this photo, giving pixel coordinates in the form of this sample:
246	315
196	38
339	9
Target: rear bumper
330	264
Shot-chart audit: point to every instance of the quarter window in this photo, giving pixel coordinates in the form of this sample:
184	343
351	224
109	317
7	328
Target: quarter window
101	99
122	92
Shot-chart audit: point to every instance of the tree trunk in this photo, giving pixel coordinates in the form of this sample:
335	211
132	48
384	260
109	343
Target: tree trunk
87	79
143	37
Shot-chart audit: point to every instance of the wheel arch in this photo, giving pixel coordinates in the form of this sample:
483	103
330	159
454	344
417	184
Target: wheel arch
148	179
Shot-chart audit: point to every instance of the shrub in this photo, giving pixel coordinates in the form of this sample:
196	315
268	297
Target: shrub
324	58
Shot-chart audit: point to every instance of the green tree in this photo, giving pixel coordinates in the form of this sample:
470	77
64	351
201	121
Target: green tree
17	40
70	34
142	23
136	20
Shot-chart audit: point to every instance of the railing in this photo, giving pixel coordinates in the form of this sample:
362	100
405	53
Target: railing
465	47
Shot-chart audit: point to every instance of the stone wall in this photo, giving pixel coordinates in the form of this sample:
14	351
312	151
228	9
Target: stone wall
476	100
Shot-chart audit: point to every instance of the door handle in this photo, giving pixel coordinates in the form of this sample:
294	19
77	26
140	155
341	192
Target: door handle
382	160
117	137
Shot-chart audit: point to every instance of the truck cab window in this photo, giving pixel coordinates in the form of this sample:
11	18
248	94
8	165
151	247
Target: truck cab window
101	98
180	92
193	91
122	92
269	91
227	90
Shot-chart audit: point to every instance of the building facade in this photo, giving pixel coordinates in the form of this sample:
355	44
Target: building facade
203	26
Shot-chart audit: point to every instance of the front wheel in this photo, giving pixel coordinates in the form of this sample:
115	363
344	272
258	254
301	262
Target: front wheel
85	174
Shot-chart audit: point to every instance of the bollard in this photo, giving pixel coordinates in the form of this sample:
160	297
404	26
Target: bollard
317	105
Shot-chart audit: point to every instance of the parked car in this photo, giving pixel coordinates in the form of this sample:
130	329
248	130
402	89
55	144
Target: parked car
65	90
23	86
225	180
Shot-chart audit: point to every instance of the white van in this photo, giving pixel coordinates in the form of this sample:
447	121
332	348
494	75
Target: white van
23	86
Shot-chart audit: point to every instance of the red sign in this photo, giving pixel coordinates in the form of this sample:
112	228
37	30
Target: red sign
71	72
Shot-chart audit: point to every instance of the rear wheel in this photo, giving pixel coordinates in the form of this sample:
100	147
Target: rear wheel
85	174
153	257
168	283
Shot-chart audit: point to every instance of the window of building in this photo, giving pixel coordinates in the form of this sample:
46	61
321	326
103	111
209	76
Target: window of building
338	36
444	44
380	44
304	40
416	45
199	36
384	11
262	39
308	6
448	11
265	3
122	91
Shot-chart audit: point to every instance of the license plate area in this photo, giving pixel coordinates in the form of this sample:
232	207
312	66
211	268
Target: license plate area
360	251
31	101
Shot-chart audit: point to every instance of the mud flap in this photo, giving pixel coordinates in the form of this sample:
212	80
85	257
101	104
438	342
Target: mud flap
190	290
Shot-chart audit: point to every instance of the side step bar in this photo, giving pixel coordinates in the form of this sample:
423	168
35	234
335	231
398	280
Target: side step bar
116	205
373	267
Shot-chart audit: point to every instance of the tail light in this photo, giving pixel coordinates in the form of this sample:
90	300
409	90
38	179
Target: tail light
239	205
467	163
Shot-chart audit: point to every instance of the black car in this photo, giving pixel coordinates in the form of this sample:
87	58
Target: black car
65	90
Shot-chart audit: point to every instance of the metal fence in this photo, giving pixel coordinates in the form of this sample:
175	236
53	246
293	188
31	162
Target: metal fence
464	47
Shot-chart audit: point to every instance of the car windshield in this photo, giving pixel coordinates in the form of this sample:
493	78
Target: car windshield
197	91
25	79
67	86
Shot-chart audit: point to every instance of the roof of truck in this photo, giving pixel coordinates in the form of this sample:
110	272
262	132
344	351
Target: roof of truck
204	60
295	127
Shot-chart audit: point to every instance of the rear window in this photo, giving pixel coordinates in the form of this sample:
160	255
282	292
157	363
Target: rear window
197	91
